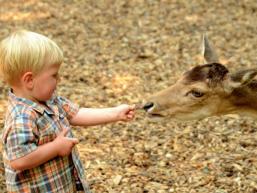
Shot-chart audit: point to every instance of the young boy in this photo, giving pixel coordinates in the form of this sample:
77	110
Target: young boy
39	153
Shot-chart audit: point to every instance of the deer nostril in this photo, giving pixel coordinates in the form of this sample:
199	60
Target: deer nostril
148	106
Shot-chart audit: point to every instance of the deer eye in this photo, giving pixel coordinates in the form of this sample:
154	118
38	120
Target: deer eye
196	93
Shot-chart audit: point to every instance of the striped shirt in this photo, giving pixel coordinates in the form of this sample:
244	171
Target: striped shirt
29	125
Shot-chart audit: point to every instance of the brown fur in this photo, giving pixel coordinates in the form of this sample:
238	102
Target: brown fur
214	72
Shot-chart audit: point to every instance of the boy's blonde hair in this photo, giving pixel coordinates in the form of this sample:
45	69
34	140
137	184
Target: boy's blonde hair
24	51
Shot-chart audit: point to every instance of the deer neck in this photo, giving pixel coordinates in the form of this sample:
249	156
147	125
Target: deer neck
243	101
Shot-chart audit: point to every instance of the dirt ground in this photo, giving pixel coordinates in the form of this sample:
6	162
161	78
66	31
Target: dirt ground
120	52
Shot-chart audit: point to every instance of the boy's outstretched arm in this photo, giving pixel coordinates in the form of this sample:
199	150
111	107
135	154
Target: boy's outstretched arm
61	146
96	116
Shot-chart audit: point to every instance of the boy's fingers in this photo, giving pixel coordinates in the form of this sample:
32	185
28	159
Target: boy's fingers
132	107
131	112
131	115
73	140
138	106
64	132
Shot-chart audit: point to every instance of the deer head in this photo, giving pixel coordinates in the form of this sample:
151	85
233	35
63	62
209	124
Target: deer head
206	90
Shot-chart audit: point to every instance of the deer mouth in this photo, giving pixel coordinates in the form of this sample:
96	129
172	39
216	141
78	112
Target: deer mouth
155	116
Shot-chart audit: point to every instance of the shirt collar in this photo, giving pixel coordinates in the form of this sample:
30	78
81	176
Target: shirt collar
37	107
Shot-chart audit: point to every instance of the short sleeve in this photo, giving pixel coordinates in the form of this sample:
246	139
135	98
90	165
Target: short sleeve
20	139
70	108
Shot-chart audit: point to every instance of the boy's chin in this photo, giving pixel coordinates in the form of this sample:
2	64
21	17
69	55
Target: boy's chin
44	99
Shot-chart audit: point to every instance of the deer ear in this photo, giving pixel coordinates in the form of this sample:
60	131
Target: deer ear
240	78
208	51
244	76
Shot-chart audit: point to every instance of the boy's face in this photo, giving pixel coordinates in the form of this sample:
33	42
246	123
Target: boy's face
45	83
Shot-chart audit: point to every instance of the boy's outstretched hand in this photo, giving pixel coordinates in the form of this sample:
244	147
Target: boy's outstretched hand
125	112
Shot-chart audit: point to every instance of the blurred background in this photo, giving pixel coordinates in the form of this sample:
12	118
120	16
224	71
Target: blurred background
121	51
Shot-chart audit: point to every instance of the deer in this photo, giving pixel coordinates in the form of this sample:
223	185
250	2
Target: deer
206	90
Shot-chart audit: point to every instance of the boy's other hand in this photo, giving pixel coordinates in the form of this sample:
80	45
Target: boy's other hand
64	144
125	112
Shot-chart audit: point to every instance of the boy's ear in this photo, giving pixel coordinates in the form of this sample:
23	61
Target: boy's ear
28	80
